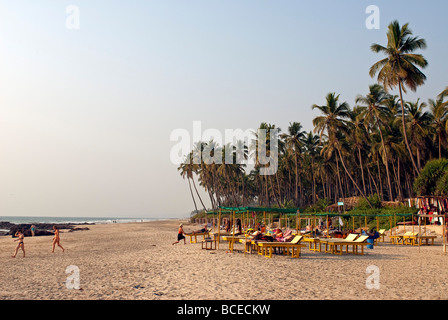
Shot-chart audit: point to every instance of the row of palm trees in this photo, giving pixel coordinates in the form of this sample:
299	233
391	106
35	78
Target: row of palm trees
377	147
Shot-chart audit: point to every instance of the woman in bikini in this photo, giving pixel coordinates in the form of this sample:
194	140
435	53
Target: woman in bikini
180	234
20	237
56	239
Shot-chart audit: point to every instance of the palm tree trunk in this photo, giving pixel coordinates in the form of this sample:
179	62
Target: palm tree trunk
314	180
297	180
380	180
192	196
362	170
404	130
350	176
339	178
200	199
374	183
387	161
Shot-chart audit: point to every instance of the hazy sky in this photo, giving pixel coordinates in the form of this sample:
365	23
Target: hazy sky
86	114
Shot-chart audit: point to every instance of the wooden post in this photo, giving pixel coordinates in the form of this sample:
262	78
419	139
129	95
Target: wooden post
219	226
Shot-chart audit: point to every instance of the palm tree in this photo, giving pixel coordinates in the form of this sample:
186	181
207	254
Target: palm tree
311	145
293	140
439	113
374	111
400	67
417	125
186	170
333	122
358	138
444	93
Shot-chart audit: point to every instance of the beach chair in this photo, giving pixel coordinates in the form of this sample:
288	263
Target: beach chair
232	240
409	238
382	234
418	240
397	239
266	248
332	246
359	242
314	243
196	234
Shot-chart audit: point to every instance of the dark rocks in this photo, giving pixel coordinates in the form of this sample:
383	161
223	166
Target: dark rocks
42	229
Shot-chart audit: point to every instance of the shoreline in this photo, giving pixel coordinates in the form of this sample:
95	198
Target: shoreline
133	261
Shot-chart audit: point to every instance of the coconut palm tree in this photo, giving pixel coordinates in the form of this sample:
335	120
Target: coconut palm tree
400	67
439	113
375	112
333	121
293	140
443	94
186	169
417	125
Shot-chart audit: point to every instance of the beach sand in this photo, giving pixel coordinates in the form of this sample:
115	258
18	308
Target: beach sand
138	261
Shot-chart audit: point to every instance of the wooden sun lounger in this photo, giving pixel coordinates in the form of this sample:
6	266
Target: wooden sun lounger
266	247
314	243
382	234
232	240
397	239
329	243
418	240
409	238
196	234
331	246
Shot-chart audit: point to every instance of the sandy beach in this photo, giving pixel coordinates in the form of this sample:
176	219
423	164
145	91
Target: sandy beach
138	261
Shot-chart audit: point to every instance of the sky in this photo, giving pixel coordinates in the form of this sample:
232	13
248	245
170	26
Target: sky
90	96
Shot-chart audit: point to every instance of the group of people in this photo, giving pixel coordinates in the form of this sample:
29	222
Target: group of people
21	245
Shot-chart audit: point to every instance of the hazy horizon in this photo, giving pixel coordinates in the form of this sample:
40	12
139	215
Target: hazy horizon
86	114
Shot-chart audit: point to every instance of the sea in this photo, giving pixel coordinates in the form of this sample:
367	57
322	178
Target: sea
73	220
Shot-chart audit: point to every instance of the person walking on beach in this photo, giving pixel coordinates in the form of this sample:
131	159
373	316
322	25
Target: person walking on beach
56	239
33	229
20	236
180	234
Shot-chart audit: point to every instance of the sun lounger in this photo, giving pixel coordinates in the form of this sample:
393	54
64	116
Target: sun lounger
382	234
409	238
314	243
397	239
266	247
418	240
232	240
196	234
331	246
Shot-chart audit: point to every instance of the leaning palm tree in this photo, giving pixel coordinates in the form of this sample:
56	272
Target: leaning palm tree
186	169
374	112
400	67
333	121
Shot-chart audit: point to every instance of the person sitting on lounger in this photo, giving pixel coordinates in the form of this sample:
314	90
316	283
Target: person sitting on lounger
201	230
373	234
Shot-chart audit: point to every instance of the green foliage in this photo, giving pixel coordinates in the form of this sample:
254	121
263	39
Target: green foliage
319	206
374	200
431	181
442	185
